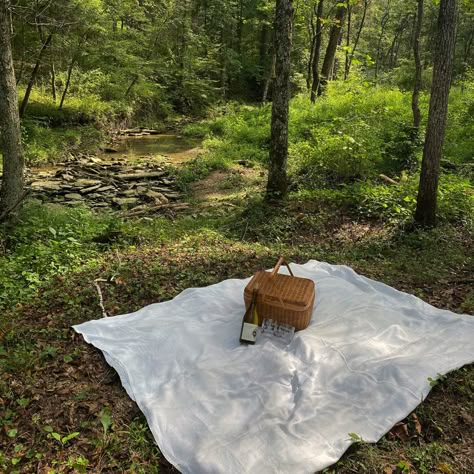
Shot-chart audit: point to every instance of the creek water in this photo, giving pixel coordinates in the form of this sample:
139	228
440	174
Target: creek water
176	148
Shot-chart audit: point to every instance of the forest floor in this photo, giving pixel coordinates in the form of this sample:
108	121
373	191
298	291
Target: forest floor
62	407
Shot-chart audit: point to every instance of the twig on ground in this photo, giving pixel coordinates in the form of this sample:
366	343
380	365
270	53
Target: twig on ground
388	180
101	298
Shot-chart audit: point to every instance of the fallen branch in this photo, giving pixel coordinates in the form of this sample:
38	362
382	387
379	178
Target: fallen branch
140	176
8	211
101	298
389	180
150	209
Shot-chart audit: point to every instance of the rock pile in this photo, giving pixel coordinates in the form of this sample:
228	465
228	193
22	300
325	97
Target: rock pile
139	132
133	188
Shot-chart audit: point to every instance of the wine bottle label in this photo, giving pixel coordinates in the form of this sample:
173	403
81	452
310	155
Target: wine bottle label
249	332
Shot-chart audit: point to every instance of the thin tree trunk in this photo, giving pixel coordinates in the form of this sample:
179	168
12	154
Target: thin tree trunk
335	64
312	35
270	76
442	74
317	51
309	69
34	73
418	71
277	185
13	160
348	39
383	23
334	37
68	81
132	83
53	81
240	27
224	77
357	38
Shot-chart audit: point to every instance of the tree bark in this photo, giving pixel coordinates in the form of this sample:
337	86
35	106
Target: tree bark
442	73
317	52
13	160
277	185
309	69
68	81
418	71
53	81
34	73
334	37
348	38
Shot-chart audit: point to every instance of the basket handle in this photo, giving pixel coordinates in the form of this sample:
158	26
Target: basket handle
278	265
275	271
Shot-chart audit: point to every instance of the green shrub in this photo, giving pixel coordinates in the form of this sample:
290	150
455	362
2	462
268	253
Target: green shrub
42	243
397	204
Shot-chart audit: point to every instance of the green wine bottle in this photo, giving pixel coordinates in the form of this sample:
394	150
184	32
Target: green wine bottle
248	332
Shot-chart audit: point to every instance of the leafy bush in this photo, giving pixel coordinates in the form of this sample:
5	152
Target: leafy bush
45	242
397	204
43	143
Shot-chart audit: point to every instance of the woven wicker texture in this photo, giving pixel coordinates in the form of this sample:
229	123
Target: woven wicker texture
283	298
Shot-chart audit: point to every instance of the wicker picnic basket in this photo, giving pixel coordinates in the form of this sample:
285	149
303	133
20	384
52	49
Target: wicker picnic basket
283	298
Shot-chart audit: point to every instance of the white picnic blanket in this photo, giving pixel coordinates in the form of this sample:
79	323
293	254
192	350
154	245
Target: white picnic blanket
215	406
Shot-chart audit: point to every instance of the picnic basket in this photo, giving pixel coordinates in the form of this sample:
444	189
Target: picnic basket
283	298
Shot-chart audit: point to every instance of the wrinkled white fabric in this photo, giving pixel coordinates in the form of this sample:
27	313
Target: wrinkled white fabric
215	406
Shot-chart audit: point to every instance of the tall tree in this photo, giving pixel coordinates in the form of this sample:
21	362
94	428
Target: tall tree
34	73
317	50
13	162
418	71
334	36
277	185
442	72
350	56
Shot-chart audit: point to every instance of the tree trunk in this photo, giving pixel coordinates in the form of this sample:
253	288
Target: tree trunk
68	81
383	23
418	70
334	37
442	73
270	76
53	81
13	161
309	69
132	83
357	38
34	73
348	39
277	185
317	51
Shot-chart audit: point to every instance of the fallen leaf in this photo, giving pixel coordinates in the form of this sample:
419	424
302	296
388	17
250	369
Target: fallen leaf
417	423
400	431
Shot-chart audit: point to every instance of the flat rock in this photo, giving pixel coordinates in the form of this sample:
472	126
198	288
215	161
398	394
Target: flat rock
156	196
74	197
129	192
85	183
91	189
125	203
103	189
46	185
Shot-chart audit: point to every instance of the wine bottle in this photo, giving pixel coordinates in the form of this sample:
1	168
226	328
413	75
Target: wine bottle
248	332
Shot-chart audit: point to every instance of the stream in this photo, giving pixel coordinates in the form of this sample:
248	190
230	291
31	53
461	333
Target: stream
131	176
175	148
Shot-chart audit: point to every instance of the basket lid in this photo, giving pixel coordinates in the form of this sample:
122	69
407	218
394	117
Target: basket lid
292	291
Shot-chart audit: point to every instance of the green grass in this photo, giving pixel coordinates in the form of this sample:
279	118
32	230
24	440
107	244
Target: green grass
145	261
